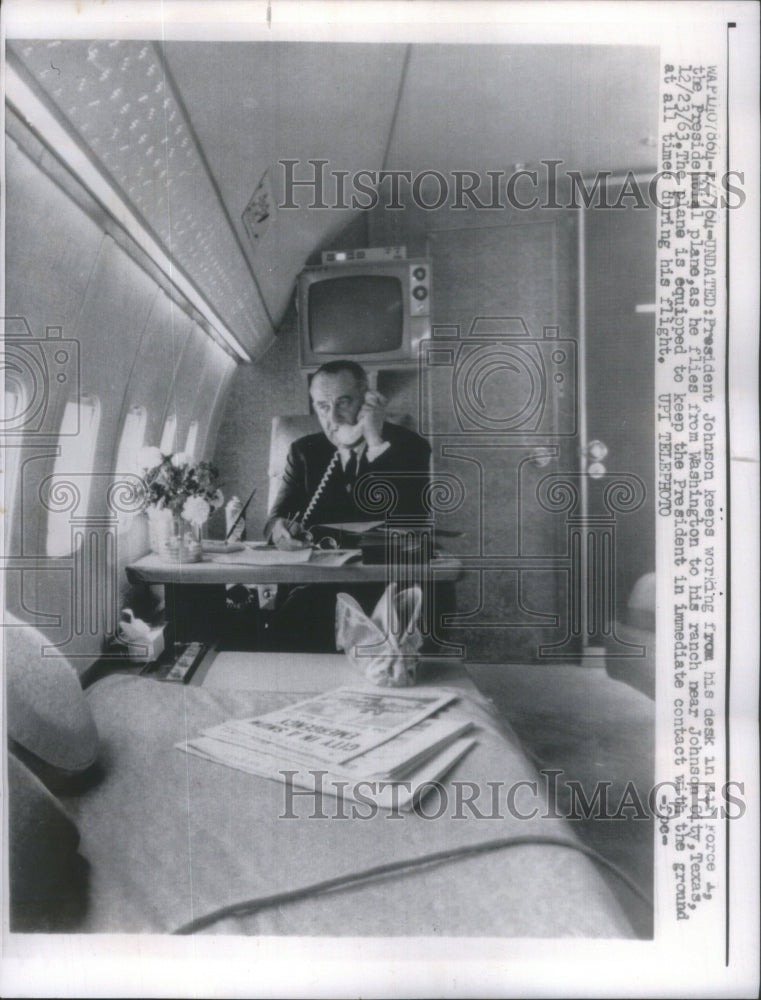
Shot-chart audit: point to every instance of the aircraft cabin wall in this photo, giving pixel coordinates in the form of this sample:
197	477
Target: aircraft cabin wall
103	347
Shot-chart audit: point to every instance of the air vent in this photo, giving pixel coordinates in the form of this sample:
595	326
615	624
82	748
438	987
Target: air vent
259	212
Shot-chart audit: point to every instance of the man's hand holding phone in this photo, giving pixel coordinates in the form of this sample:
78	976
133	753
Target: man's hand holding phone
368	426
370	418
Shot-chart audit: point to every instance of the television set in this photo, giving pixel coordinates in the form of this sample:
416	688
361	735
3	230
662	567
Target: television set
374	311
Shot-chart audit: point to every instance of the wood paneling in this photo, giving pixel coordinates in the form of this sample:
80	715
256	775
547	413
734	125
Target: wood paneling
620	371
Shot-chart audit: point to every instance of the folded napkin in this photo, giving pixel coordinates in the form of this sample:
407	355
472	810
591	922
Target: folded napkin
385	646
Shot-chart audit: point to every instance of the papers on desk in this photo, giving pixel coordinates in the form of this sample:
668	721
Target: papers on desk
353	527
334	557
267	555
261	554
214	545
386	748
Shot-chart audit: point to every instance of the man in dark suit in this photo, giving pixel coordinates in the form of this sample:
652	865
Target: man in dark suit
322	469
319	486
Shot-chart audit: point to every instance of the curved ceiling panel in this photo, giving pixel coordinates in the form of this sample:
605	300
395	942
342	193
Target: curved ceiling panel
117	98
187	130
282	100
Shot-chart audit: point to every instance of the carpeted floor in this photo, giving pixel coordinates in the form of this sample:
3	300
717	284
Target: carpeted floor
594	729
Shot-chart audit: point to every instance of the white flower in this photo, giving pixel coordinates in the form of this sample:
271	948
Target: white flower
149	457
181	458
196	510
217	500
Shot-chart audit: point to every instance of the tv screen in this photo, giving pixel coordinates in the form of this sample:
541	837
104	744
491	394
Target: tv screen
356	314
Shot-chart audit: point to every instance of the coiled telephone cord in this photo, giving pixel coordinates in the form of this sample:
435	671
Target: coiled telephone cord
320	488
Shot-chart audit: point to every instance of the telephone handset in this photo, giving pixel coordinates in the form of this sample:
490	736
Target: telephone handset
349	435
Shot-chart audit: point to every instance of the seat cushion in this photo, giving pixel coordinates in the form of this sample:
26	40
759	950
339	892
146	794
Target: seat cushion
640	608
638	629
43	842
49	719
169	837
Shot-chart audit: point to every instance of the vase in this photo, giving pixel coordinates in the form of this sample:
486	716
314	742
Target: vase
172	538
159	527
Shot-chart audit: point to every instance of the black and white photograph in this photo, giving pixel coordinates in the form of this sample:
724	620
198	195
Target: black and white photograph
380	459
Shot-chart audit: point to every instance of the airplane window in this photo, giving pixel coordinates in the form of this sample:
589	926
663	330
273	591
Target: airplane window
169	435
67	491
191	441
128	456
131	441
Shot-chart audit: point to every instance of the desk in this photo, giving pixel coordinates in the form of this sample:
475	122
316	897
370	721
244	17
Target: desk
152	569
195	591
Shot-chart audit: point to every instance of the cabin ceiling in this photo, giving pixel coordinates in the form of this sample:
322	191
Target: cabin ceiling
186	131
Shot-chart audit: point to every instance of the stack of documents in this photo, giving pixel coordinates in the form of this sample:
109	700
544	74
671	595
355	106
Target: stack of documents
261	554
377	748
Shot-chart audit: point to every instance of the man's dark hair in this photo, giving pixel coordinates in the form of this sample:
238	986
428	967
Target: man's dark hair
336	367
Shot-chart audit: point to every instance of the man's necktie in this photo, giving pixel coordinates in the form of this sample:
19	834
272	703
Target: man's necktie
350	472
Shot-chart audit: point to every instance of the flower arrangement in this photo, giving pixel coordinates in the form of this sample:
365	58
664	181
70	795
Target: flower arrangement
179	484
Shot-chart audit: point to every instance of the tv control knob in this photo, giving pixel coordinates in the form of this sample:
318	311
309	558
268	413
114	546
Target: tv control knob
420	293
597	450
419	274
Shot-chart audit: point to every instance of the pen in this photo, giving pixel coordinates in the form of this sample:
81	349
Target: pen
294	520
242	512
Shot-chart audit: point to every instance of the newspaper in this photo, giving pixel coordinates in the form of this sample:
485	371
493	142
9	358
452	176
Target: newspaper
374	792
337	726
392	775
390	759
691	125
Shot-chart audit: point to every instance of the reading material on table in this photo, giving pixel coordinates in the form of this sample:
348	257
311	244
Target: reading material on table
386	748
261	554
338	725
335	557
352	527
